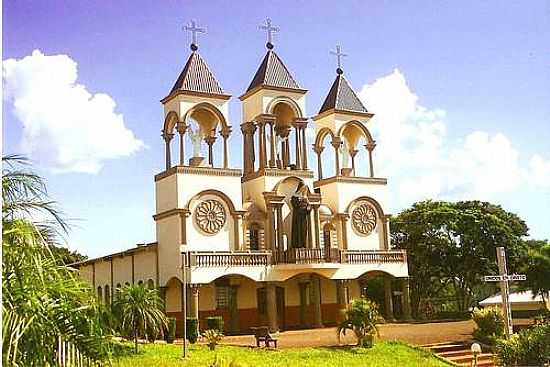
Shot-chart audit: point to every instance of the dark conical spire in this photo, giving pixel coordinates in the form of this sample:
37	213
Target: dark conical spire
341	96
197	77
273	73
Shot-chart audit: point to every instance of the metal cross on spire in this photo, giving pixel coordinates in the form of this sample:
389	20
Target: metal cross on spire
338	53
270	29
194	30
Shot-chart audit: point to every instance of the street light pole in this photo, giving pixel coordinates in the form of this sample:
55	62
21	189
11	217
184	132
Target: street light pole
183	250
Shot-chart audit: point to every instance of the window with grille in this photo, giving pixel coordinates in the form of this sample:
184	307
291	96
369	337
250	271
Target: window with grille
222	294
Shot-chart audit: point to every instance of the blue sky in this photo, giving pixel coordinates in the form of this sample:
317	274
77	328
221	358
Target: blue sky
461	91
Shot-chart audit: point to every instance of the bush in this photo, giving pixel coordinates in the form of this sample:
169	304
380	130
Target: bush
490	325
214	323
361	317
213	337
530	347
171	334
192	330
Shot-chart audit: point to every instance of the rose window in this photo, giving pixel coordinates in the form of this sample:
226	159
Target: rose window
210	216
363	218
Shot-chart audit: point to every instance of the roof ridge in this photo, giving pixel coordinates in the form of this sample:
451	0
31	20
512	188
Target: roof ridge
341	96
196	76
273	72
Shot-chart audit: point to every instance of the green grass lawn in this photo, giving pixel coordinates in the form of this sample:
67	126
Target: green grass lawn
393	354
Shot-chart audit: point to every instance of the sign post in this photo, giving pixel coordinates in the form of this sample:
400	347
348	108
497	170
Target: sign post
504	279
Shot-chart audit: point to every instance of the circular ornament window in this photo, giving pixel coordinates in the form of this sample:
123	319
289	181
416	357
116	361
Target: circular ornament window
210	216
364	218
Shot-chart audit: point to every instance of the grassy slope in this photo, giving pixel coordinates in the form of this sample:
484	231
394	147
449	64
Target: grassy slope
391	354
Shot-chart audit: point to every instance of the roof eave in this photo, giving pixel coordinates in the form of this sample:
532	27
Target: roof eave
366	115
270	87
173	95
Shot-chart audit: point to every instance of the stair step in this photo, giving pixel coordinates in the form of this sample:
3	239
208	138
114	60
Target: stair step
470	357
446	348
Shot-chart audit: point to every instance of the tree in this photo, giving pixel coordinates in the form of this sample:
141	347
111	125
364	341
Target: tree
361	317
66	256
41	299
139	311
454	244
537	268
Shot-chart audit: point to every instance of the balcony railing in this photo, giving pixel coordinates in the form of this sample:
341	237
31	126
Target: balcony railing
209	259
294	256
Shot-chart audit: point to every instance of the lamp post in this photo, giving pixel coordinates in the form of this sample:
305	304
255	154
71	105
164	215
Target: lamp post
183	251
476	349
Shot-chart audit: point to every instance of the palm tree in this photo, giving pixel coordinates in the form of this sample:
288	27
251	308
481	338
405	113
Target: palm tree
139	311
361	317
42	300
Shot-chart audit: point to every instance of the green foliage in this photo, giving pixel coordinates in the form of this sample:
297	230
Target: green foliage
139	311
531	347
192	329
537	268
42	300
361	317
490	324
66	256
453	243
213	337
171	334
222	362
215	323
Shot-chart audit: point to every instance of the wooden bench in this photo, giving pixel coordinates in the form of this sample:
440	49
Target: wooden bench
262	335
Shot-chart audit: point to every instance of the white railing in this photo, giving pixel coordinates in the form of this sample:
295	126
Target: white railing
227	258
68	355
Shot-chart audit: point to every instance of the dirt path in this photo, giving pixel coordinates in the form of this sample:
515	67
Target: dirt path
417	334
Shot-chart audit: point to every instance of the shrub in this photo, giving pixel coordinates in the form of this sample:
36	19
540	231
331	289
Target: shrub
490	324
192	330
171	334
530	347
213	337
214	323
361	317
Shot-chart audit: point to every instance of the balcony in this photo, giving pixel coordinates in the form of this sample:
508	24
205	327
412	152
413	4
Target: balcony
294	256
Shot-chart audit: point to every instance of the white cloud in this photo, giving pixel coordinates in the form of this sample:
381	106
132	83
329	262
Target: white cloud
422	162
65	127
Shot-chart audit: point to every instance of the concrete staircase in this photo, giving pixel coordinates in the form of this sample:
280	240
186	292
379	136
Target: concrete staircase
459	354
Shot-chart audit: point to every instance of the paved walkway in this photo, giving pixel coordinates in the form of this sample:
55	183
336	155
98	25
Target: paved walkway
412	333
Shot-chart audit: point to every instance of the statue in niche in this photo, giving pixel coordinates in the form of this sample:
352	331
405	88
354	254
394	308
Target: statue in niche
196	138
300	216
345	153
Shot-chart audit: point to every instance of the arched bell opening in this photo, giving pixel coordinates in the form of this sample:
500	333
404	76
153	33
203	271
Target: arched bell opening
200	130
326	158
356	150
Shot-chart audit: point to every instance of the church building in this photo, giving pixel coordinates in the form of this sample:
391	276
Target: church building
277	243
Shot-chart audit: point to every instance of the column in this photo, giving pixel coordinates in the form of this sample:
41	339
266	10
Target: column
316	224
263	156
286	149
353	153
280	244
370	147
318	151
210	141
248	129
225	132
336	142
316	289
271	227
167	137
193	310
405	299
340	299
304	151
272	162
344	229
272	307
297	146
303	303
388	302
181	128
309	234
237	233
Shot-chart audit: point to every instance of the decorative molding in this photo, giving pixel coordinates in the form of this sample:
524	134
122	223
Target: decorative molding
276	172
169	97
345	179
367	115
206	171
269	87
169	213
210	216
364	218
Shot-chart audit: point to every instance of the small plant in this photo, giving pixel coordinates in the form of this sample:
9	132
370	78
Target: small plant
531	347
171	334
361	317
214	323
213	338
192	330
490	325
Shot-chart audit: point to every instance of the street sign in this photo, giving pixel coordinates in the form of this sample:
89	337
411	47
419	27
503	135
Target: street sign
504	280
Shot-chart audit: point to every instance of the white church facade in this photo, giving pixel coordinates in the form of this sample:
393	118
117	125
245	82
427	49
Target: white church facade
276	243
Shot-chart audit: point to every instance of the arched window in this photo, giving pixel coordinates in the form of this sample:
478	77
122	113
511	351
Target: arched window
117	292
99	294
150	284
107	295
